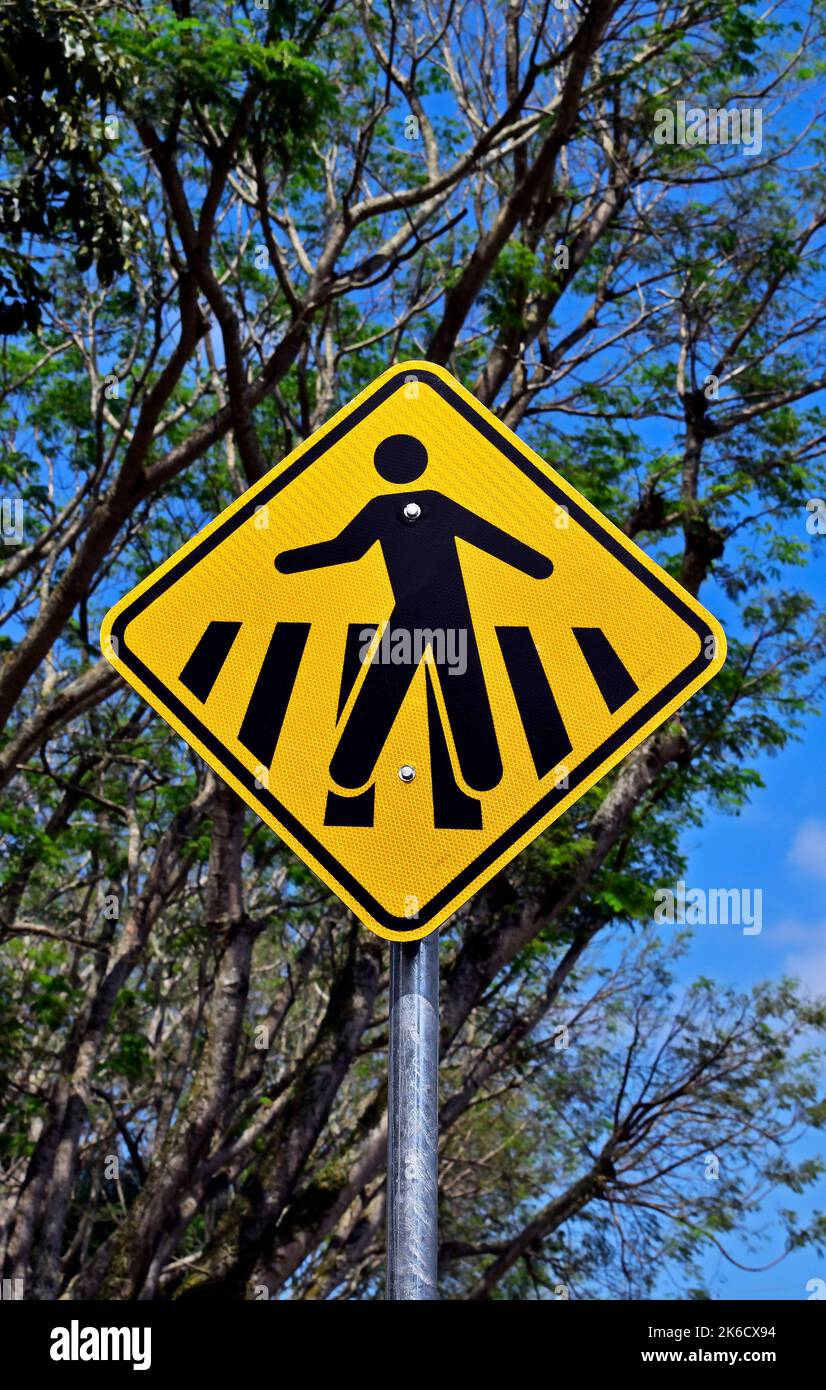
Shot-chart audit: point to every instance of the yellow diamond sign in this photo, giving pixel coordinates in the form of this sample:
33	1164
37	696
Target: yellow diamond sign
410	647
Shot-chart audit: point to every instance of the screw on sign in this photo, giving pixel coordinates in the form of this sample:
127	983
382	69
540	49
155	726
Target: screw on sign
431	648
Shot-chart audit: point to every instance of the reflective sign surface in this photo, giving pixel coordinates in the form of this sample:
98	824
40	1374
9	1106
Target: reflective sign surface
411	647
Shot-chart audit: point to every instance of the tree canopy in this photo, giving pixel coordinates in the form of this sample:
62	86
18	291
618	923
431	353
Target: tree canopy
219	221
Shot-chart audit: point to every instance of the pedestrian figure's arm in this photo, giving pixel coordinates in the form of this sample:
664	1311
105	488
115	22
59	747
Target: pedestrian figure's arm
485	536
353	542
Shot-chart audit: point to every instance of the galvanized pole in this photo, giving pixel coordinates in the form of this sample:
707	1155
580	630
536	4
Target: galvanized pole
413	1120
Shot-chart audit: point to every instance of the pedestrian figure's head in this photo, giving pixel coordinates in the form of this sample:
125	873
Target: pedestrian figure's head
400	458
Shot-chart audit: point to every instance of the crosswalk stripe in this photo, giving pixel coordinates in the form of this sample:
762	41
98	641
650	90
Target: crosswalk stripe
544	726
273	688
205	664
616	685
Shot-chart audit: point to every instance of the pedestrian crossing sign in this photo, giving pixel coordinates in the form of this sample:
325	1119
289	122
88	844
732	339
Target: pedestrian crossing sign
411	647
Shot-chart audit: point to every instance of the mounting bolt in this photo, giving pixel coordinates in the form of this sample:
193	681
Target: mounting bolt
407	773
412	511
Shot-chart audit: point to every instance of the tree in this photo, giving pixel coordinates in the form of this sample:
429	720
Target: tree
194	1030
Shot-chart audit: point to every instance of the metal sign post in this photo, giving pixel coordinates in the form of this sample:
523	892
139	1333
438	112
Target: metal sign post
413	1120
412	582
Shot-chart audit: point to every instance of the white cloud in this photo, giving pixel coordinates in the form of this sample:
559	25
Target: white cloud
808	851
806	957
794	931
810	970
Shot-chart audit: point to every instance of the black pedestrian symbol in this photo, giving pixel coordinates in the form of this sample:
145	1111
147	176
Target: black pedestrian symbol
417	531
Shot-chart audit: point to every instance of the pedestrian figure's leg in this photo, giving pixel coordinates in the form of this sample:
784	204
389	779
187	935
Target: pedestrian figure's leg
371	719
471	722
